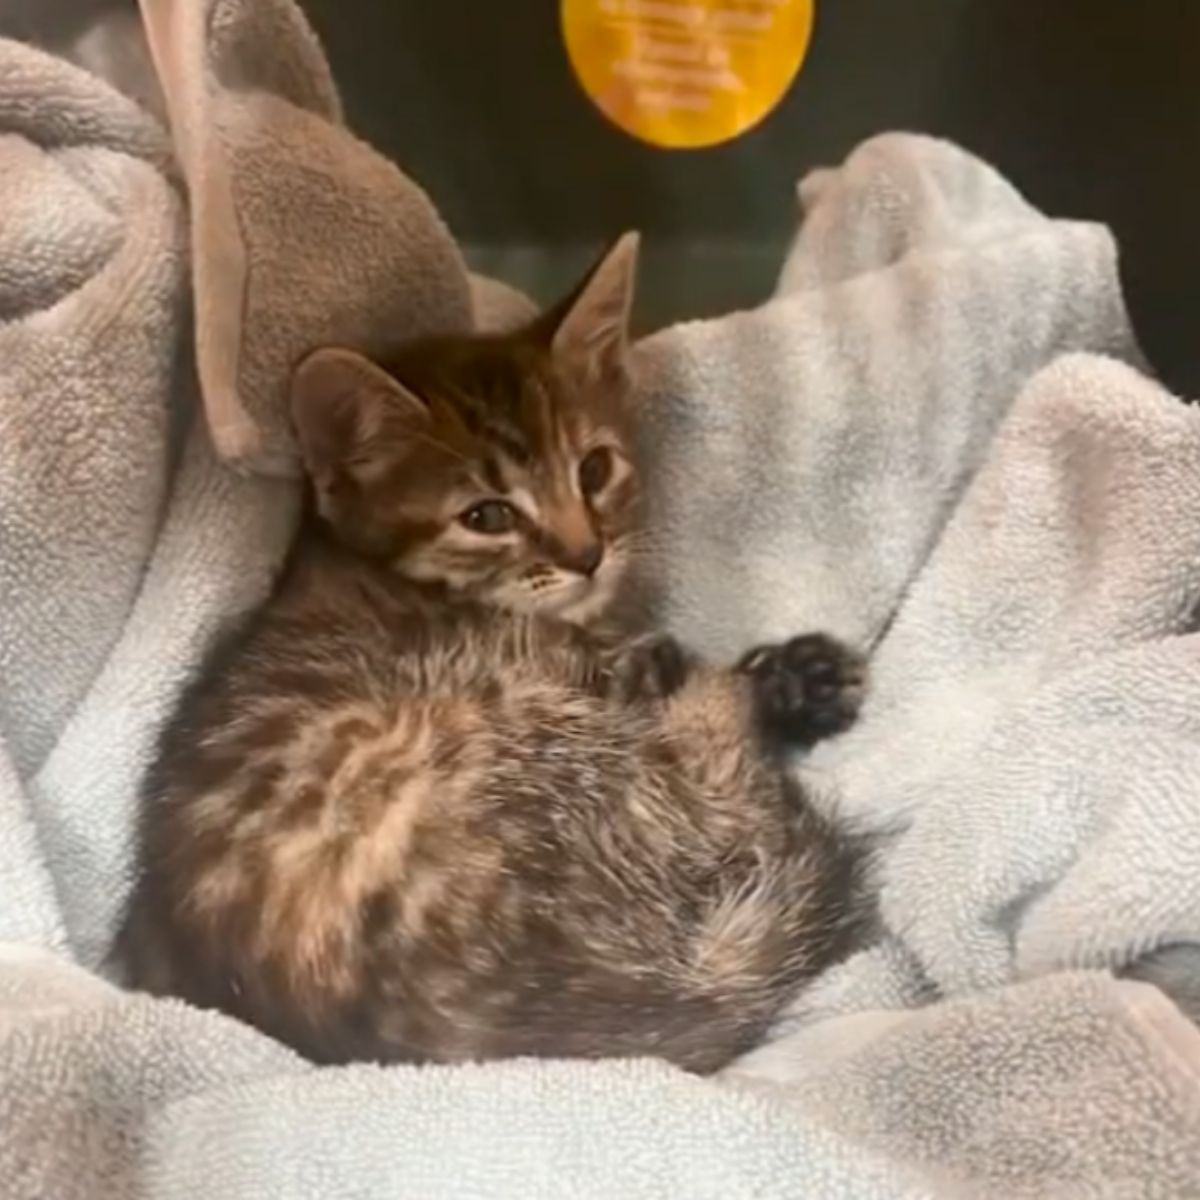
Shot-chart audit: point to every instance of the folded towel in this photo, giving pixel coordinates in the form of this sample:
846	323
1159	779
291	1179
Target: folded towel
1030	752
92	284
815	446
806	462
1070	1085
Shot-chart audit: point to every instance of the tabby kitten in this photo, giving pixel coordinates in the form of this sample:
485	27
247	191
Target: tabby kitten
428	804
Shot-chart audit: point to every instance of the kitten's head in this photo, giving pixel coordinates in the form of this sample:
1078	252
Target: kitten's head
500	466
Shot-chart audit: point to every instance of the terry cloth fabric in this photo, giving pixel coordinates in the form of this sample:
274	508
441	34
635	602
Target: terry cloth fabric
809	462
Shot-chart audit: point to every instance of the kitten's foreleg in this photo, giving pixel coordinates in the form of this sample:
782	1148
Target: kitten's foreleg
648	668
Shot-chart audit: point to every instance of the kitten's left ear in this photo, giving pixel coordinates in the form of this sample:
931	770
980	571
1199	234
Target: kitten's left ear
341	404
590	328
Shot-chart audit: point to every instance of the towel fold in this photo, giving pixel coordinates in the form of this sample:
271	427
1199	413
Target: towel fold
816	446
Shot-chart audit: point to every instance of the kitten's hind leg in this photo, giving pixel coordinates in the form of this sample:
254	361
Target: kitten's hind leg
805	689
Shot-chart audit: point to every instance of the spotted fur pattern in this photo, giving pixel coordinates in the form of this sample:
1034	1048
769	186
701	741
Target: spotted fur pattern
427	805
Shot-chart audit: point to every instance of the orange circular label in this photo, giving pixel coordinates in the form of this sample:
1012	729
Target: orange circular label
686	73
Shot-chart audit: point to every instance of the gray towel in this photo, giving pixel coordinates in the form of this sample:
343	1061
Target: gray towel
818	444
1030	753
809	462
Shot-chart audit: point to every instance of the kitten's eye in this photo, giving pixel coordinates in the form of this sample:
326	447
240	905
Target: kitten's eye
595	471
491	516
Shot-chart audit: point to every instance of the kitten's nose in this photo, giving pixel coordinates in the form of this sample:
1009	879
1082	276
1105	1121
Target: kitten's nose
585	559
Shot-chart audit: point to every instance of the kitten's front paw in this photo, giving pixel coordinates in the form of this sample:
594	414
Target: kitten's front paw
806	689
652	668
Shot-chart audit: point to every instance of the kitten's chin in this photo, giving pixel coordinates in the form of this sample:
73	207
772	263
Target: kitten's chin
579	602
594	602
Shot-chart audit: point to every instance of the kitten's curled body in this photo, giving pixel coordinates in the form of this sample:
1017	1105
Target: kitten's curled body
396	820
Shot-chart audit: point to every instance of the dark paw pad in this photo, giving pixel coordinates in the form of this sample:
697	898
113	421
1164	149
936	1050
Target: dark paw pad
806	689
652	669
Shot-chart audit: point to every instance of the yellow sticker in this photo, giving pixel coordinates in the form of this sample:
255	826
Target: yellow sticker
686	73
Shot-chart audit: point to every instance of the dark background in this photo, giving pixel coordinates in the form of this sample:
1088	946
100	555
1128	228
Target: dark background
1092	107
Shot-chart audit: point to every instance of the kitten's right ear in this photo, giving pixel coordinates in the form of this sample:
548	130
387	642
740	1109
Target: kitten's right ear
341	402
590	328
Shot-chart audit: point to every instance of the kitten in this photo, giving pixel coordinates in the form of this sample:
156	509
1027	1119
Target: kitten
427	804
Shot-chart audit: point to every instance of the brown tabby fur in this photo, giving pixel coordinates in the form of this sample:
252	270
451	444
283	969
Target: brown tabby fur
427	805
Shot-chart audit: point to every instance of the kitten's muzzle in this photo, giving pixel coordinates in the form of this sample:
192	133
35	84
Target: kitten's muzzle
581	556
584	560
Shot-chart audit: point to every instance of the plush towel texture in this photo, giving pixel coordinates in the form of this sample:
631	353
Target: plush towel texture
877	451
818	444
